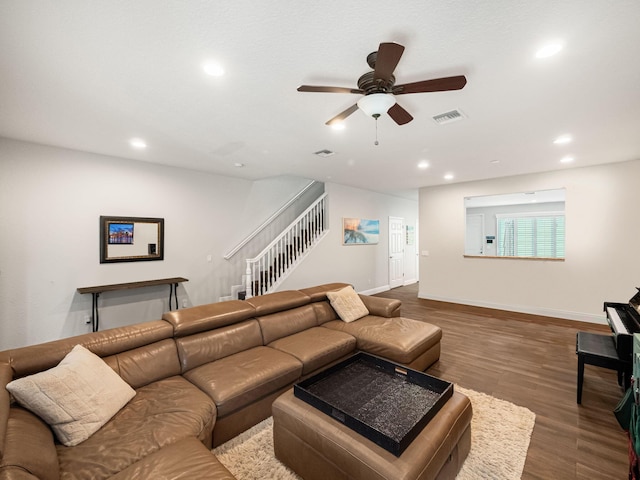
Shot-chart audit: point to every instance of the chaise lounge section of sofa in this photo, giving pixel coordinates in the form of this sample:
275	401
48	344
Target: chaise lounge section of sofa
202	375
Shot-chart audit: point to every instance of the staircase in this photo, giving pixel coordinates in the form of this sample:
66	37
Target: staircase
271	266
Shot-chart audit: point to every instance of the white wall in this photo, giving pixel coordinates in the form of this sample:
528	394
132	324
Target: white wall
366	267
50	203
602	246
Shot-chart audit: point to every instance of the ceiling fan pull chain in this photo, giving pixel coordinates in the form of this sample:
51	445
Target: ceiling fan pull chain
376	142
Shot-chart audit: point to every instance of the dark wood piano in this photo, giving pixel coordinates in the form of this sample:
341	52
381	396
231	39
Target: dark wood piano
624	320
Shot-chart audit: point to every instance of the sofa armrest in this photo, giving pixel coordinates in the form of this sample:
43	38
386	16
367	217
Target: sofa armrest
381	307
29	448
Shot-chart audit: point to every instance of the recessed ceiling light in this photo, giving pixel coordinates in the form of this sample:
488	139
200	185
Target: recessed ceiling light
563	139
213	68
423	164
495	162
138	143
448	176
567	159
238	165
549	50
338	126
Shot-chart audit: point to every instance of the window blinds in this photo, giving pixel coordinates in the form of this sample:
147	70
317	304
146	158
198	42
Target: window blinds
531	235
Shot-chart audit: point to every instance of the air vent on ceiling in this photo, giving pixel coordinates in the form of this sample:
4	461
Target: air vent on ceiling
448	117
324	153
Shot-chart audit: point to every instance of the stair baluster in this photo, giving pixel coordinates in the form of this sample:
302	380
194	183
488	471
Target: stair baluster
273	264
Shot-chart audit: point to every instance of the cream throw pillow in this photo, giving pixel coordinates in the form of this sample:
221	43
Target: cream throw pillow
76	397
347	304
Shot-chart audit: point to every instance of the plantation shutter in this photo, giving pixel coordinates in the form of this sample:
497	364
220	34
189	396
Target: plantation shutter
531	235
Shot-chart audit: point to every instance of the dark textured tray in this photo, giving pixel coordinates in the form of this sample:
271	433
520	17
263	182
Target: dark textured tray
381	400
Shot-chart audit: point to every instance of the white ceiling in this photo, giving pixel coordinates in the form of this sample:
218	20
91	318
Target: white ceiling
91	75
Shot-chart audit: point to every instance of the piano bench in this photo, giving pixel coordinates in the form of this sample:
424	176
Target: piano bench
600	351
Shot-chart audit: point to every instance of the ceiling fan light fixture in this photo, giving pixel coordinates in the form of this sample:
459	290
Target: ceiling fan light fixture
375	104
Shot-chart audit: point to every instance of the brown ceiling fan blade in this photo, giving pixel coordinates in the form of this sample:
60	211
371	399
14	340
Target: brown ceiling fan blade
387	59
435	85
399	114
311	88
340	117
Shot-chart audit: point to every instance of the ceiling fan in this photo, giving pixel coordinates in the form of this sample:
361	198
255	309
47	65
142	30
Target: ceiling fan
378	87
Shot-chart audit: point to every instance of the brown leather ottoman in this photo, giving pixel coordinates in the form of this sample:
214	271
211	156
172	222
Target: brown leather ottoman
316	446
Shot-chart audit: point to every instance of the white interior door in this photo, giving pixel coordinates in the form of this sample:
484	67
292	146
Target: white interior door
474	235
396	252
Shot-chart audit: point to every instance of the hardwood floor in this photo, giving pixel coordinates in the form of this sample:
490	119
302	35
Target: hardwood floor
531	361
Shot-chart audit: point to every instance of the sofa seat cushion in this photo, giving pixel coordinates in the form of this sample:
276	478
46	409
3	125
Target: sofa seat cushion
244	377
188	459
316	347
398	339
161	413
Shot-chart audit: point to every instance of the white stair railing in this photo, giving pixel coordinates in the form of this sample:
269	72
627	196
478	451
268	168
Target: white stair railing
268	221
270	267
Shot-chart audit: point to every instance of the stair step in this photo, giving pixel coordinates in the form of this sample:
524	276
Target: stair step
236	290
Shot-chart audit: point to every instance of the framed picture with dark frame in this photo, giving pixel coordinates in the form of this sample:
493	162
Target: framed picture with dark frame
131	239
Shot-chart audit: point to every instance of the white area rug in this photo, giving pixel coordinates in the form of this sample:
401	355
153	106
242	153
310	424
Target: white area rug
500	434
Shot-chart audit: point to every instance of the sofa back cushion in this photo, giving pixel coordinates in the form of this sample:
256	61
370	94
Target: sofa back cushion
288	322
278	302
32	359
207	317
200	348
143	365
319	292
324	312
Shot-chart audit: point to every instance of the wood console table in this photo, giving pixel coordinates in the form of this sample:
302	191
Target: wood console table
97	290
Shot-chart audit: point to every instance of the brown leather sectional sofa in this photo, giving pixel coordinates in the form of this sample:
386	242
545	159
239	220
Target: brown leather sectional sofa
202	375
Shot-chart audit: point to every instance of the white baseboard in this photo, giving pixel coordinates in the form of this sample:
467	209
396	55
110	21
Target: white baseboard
545	312
386	288
373	291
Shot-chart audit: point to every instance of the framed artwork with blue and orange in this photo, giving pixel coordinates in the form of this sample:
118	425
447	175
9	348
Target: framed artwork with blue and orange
360	231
